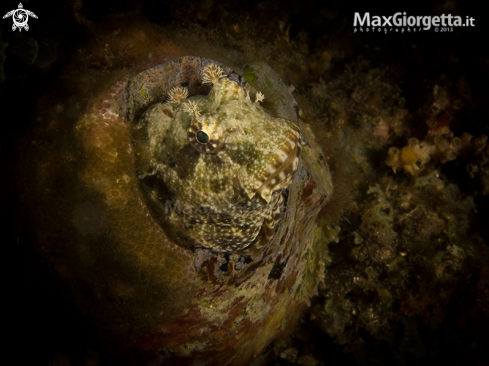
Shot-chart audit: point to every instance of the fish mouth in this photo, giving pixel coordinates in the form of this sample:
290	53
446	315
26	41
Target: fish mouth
266	174
282	176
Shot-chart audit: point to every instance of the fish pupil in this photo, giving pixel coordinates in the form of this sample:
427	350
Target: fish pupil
202	137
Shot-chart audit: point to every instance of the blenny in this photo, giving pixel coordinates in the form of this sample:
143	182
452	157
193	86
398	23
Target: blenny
225	163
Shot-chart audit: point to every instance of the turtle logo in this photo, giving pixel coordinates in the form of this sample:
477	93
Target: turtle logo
20	17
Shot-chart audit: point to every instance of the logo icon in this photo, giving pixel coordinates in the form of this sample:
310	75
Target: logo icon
20	17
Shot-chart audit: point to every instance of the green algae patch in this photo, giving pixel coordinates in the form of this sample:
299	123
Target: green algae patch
250	78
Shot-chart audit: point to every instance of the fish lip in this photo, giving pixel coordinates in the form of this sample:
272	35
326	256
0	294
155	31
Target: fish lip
266	189
294	154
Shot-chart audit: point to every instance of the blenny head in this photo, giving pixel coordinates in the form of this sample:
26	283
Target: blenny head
224	160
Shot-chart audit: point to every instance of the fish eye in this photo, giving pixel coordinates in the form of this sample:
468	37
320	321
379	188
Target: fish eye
202	137
204	141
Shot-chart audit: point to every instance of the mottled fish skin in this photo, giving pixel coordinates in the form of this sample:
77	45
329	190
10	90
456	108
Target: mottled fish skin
225	161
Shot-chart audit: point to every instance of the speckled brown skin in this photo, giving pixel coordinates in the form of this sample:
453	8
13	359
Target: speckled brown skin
226	192
139	285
